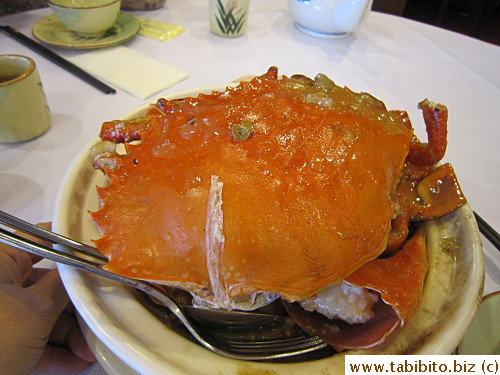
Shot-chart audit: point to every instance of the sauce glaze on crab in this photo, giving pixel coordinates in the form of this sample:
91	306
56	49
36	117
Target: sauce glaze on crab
283	186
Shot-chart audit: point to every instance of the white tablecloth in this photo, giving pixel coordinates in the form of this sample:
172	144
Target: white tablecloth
397	60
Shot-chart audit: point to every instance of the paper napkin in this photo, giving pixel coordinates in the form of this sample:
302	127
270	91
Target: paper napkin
129	70
159	30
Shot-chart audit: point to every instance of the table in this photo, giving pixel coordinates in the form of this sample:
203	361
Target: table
397	60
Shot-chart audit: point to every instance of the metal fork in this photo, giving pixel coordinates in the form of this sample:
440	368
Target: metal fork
87	258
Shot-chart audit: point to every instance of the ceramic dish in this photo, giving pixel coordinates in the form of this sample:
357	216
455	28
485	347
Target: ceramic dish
483	336
49	30
109	363
141	341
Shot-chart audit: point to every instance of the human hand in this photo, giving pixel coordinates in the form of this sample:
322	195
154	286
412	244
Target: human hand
39	333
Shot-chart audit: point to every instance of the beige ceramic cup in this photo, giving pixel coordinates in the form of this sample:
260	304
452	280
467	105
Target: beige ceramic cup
86	17
228	18
24	113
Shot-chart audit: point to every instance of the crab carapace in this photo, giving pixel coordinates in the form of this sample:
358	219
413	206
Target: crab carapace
279	186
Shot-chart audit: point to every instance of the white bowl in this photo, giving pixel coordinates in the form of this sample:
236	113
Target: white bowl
142	342
89	18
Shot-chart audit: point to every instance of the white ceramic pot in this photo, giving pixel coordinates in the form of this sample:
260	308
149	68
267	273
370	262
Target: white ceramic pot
329	18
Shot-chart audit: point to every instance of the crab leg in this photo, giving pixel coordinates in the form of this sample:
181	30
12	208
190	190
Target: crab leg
123	131
435	118
439	193
428	197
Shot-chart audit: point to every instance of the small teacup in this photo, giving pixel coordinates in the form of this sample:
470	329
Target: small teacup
24	113
228	18
329	18
86	17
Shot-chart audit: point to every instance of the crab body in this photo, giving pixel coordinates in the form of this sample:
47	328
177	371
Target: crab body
324	181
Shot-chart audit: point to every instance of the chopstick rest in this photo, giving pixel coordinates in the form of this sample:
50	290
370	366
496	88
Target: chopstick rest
129	70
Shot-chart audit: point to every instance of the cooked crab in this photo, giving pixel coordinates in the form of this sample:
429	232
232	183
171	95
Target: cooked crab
290	187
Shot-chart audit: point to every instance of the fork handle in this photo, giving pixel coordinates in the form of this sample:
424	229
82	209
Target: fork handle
51	253
36	231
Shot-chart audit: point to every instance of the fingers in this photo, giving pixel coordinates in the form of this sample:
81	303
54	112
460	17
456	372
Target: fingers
79	346
67	332
37	258
62	329
34	258
46	225
35	275
37	298
15	265
68	352
50	294
60	361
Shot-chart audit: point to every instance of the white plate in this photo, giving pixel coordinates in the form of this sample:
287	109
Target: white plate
134	335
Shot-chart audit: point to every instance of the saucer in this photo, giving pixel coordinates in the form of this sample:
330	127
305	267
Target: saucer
483	335
50	30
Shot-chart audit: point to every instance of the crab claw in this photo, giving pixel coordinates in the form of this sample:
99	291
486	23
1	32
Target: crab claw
439	193
435	118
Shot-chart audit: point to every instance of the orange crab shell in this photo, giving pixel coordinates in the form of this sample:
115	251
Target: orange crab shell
300	205
400	278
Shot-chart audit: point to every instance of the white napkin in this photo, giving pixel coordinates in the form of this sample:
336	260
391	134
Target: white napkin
131	71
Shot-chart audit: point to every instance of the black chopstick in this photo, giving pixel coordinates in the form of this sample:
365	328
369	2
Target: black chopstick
487	231
55	58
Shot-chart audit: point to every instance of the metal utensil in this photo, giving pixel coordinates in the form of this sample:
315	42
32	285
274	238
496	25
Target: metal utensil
87	258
